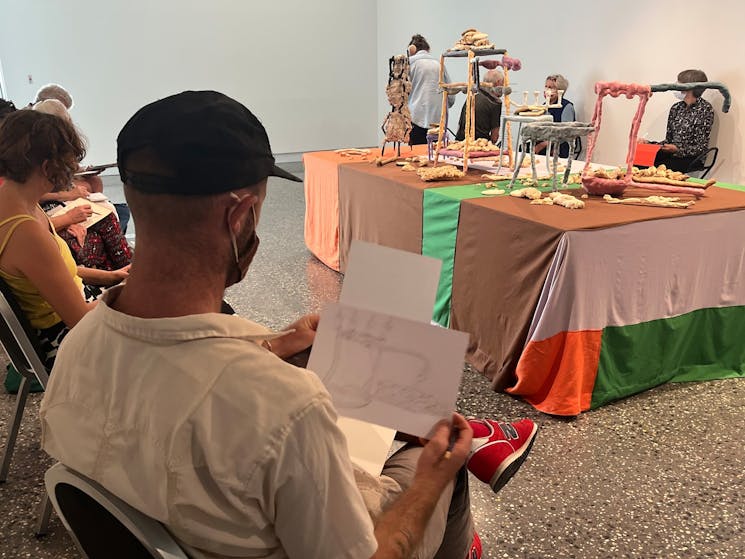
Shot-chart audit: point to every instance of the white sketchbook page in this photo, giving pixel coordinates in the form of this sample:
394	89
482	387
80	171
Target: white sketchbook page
99	211
368	444
387	370
391	281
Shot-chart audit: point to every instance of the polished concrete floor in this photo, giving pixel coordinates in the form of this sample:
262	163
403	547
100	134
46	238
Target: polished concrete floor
658	475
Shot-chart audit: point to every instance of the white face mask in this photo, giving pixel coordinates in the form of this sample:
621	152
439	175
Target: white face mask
679	95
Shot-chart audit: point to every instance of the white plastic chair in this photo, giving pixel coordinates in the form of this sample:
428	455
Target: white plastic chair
21	346
102	525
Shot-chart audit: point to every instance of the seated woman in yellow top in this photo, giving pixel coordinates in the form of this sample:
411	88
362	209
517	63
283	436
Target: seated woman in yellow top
39	154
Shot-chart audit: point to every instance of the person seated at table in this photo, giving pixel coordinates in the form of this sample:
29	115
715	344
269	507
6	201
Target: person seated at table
488	112
38	154
689	124
282	484
565	113
425	99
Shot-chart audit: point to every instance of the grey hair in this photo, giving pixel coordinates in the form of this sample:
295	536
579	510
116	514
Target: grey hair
561	81
494	77
53	107
54	91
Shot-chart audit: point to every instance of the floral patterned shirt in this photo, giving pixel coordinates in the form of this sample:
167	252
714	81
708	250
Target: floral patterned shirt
689	127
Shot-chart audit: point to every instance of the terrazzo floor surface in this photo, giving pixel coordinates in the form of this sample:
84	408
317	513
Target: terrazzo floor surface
657	475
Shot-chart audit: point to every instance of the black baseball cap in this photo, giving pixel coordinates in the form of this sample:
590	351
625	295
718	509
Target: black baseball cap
204	142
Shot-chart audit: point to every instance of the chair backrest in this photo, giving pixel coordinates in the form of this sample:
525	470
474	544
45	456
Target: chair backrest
701	162
18	338
102	525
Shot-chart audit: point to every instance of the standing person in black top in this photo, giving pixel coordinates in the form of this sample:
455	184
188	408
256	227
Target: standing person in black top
688	126
488	112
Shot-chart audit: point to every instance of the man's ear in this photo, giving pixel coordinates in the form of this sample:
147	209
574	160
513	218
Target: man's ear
240	213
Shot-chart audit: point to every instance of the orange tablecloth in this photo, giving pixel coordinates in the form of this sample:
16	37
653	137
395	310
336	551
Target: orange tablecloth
322	199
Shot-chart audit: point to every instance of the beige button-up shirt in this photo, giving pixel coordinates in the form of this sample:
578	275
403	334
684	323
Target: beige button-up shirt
193	423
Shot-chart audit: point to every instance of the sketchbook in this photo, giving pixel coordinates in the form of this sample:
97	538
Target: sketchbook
99	211
385	366
91	170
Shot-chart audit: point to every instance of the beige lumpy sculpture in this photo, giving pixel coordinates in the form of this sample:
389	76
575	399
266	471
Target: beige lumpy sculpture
397	124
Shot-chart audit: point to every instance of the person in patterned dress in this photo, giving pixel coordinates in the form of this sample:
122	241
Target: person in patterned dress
688	126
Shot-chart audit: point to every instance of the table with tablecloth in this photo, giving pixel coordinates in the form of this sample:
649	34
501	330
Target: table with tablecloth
322	198
568	309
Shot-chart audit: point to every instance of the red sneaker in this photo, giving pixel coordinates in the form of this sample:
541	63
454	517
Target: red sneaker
499	449
475	551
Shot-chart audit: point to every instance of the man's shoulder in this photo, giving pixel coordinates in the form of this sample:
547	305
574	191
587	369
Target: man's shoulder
423	60
482	101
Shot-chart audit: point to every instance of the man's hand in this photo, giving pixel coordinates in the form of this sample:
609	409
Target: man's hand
299	340
669	148
437	467
79	232
401	527
79	214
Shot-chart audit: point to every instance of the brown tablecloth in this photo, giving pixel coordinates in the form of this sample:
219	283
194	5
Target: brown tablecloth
383	205
322	170
503	252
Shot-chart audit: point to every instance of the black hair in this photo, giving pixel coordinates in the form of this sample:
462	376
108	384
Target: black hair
6	107
419	42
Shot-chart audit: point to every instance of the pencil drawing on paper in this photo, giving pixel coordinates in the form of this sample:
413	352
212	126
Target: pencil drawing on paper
364	347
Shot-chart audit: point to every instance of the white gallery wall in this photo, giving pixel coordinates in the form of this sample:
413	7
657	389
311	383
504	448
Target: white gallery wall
638	41
315	72
307	69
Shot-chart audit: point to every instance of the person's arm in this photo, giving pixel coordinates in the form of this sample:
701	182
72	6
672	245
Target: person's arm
461	135
495	115
78	190
451	98
567	114
78	214
103	278
93	183
401	528
79	232
671	118
299	340
35	255
540	147
317	509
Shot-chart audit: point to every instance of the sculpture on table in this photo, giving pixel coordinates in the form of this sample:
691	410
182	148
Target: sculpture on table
475	46
538	108
397	124
601	182
555	133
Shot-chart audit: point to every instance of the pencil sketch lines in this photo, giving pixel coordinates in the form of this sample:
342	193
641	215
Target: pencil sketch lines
365	346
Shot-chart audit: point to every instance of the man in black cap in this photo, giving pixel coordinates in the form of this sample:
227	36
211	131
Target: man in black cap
190	415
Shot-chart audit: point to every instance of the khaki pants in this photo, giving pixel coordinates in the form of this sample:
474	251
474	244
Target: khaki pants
449	532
